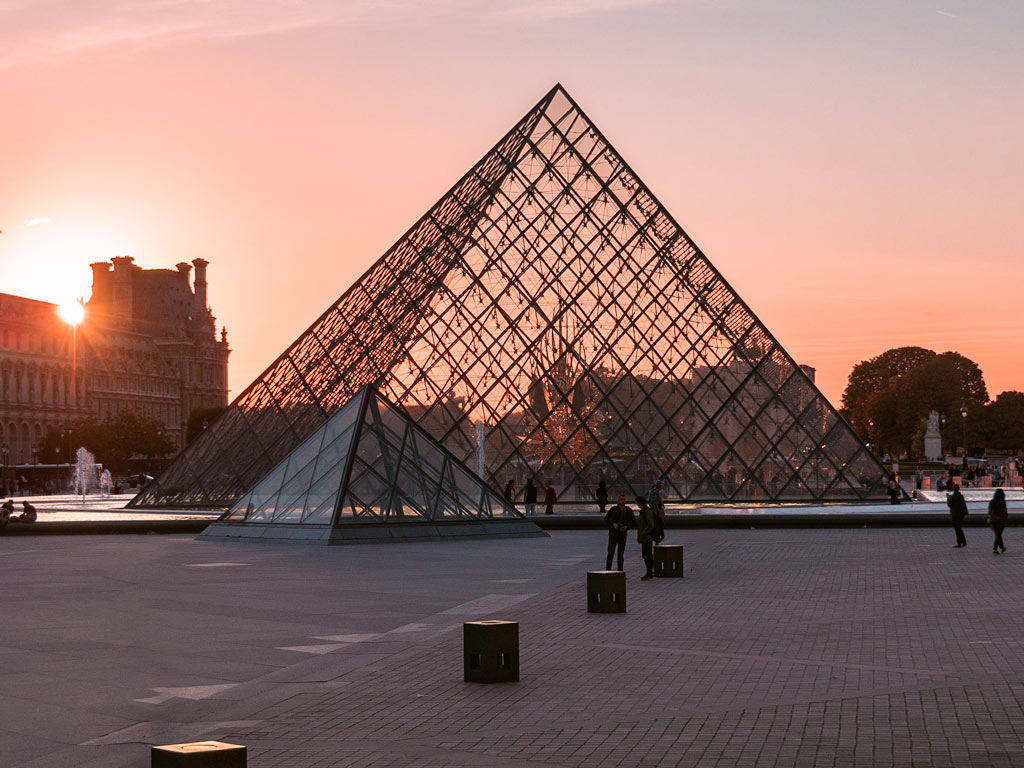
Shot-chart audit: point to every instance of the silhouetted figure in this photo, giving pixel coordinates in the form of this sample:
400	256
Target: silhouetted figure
997	516
550	497
957	513
530	498
645	536
6	510
602	496
619	520
28	513
894	489
510	491
656	499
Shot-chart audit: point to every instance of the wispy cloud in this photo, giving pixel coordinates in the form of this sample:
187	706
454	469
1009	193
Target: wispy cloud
542	10
37	221
54	30
946	13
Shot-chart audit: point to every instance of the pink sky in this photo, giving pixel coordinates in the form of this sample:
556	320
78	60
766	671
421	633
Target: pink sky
855	170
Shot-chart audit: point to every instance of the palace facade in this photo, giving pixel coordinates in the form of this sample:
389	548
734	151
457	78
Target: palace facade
148	343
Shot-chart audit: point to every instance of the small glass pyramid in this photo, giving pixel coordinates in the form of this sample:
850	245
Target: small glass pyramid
368	463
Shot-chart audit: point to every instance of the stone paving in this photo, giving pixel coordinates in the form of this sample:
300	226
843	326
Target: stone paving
881	647
778	649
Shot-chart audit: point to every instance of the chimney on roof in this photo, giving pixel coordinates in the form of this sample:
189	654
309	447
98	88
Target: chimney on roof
100	283
121	298
200	299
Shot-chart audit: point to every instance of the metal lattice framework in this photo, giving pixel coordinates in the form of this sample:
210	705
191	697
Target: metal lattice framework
549	318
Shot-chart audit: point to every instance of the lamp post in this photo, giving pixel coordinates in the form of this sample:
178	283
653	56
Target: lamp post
942	435
5	450
963	413
871	425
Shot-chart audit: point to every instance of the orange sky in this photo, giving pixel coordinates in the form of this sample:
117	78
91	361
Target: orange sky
855	170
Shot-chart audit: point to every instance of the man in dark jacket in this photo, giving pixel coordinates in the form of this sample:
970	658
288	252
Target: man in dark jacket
619	520
530	497
957	513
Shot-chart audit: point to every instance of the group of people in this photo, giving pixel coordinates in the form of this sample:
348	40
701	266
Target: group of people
530	497
28	513
997	515
648	522
971	476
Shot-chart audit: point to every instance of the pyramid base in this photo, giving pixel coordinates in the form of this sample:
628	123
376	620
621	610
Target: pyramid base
373	533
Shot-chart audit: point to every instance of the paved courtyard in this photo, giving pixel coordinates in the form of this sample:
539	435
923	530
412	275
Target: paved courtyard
779	648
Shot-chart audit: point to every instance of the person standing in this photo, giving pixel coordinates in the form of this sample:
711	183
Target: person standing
510	491
919	480
602	496
550	497
530	497
656	499
645	536
894	489
957	513
997	515
619	520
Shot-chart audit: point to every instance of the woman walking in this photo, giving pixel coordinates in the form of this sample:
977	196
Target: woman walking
997	515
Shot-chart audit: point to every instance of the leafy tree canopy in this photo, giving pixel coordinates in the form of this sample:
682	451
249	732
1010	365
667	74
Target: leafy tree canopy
897	390
122	436
1003	427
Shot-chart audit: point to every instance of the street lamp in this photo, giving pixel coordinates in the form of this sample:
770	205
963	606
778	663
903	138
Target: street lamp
5	450
871	425
963	413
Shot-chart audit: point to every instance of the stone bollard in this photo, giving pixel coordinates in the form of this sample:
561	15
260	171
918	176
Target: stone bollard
491	651
199	754
668	560
606	591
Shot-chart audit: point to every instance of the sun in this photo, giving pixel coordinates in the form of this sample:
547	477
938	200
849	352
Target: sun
71	312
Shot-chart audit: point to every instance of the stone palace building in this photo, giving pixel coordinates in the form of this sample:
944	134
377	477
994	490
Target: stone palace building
148	343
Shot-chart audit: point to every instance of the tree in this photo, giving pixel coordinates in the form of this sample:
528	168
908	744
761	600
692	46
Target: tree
1003	423
870	377
122	436
898	389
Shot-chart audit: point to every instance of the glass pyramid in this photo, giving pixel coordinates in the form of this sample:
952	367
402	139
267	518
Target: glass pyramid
368	463
548	318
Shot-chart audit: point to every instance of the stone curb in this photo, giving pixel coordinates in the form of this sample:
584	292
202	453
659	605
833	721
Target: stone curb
90	527
548	522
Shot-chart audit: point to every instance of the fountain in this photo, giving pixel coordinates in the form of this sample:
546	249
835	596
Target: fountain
85	476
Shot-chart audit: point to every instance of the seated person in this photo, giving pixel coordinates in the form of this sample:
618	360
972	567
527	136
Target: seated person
28	513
